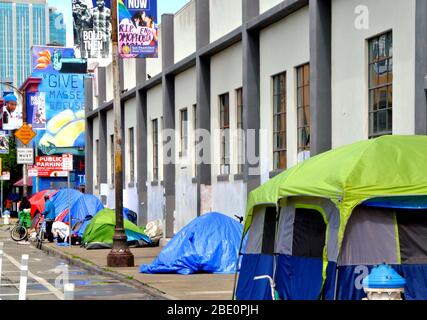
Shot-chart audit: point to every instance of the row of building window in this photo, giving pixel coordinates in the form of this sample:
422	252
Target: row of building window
380	114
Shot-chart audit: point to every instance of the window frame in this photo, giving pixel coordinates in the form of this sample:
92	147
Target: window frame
224	126
131	132
155	144
277	116
303	86
183	129
375	91
240	131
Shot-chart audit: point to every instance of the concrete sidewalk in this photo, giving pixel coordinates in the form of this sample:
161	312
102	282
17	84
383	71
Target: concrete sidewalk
168	286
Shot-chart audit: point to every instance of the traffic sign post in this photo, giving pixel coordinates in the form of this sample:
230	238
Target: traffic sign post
67	165
25	155
25	134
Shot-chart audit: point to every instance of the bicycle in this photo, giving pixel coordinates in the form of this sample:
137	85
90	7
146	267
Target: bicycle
20	231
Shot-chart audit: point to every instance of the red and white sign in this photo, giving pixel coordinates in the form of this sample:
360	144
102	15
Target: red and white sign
50	166
32	171
67	162
5	176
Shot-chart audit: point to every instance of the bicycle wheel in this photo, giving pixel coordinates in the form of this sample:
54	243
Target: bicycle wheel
18	233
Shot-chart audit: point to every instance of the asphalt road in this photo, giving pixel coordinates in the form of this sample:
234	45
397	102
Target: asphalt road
46	276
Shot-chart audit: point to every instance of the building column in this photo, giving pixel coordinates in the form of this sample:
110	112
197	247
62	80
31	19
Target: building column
251	96
203	109
168	87
89	136
320	76
141	142
421	67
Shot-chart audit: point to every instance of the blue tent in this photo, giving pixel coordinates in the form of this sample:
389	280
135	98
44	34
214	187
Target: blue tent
81	205
209	244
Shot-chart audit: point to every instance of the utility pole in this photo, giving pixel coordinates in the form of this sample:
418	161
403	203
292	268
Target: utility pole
120	255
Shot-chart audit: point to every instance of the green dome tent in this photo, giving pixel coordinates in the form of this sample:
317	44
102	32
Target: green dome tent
282	224
99	233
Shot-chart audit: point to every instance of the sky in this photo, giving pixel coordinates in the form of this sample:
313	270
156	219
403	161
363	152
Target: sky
163	6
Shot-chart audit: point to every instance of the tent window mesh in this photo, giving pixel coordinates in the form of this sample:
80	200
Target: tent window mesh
309	234
412	225
269	233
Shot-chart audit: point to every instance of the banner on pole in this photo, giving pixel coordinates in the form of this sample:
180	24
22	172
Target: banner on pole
92	28
37	109
4	143
138	29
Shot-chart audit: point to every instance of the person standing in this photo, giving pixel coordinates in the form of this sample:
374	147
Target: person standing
101	21
49	215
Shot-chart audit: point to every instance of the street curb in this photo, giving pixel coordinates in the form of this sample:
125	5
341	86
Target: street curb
101	271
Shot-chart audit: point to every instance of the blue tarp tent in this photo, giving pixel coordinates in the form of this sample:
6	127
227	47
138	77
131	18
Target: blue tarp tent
81	205
208	244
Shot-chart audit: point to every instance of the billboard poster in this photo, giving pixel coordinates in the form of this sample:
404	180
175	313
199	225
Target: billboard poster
4	143
64	99
138	29
11	115
50	167
92	28
36	110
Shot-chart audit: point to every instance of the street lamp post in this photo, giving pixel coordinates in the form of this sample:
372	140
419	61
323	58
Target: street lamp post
24	119
120	255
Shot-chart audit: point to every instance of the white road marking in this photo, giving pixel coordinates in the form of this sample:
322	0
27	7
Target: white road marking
42	281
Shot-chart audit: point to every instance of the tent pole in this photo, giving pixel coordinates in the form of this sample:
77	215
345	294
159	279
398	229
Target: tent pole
336	282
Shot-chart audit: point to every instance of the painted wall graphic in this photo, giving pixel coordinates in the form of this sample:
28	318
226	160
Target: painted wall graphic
138	29
64	101
92	28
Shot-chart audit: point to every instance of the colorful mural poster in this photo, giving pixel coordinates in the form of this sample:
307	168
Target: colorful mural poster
4	143
138	29
36	110
92	28
64	99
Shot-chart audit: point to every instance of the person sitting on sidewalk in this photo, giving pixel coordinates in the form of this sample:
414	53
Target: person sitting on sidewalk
49	215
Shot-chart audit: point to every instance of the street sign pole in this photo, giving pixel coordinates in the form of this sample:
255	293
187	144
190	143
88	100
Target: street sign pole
69	207
120	255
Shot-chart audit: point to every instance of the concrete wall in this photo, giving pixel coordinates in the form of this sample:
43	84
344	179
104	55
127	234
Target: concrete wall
350	66
154	65
185	31
109	83
129	74
186	190
155	193
265	5
225	16
226	76
290	40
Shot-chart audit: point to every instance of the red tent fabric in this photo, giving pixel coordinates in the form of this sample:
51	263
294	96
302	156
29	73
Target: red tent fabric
37	200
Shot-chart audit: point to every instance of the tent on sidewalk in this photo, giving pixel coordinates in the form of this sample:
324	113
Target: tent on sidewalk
81	205
319	227
100	230
37	201
209	243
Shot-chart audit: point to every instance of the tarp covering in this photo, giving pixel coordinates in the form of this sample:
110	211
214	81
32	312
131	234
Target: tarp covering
81	205
209	244
100	230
